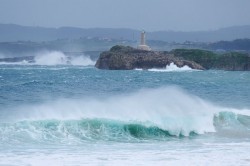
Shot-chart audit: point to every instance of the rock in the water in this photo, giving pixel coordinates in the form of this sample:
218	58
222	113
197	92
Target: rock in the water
128	58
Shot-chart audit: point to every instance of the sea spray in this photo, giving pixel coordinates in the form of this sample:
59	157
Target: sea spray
170	109
82	61
50	116
53	58
171	68
231	124
159	114
59	58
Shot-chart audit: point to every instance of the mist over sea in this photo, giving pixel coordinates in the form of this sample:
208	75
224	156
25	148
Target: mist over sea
58	110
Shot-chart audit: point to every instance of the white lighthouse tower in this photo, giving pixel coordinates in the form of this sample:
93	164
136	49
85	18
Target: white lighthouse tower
143	45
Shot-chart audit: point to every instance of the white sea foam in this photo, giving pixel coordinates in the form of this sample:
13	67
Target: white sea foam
53	58
169	108
82	61
163	153
59	58
173	68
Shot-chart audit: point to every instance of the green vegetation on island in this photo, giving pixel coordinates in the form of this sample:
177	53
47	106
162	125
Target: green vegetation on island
211	60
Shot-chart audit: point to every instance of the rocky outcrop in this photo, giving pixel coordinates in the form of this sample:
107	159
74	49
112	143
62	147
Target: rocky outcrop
232	61
128	58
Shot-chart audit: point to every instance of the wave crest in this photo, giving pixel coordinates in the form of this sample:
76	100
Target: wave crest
170	109
231	124
75	131
51	59
160	114
173	68
59	58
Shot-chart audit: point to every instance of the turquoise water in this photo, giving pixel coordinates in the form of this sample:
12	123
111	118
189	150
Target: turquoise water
76	115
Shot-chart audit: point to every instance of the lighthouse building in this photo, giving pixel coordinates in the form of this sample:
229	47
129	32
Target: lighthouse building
143	45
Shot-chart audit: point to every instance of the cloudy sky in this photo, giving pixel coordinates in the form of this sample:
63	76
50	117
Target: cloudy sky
151	15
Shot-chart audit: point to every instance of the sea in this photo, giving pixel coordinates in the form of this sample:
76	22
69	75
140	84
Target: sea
58	111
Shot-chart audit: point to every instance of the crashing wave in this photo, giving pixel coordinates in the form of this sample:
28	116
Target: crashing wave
80	130
157	114
231	124
173	68
59	58
54	58
75	131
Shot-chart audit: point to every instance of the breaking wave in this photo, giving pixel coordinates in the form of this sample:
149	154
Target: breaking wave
53	58
80	130
157	114
173	68
59	58
232	124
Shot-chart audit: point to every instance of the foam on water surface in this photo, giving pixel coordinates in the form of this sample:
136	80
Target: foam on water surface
61	115
53	58
173	68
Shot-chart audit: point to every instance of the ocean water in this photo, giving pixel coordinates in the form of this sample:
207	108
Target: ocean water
62	112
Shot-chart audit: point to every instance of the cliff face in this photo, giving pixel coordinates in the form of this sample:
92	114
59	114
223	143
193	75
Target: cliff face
128	58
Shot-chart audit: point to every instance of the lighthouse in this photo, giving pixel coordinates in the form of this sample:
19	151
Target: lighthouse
143	45
143	34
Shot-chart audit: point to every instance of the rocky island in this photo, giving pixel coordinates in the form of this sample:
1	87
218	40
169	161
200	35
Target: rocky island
129	58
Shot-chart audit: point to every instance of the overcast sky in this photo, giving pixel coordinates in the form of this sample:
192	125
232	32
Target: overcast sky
151	15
